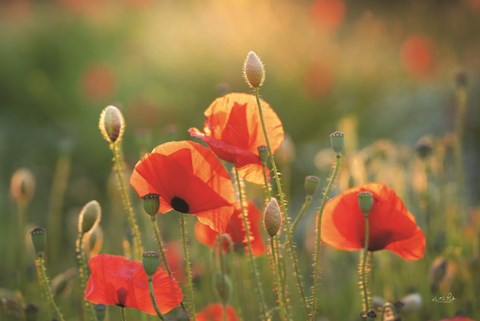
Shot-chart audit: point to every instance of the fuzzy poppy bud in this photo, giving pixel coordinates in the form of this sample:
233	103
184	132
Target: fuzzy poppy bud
111	124
337	142
22	186
150	262
263	153
365	201
99	310
89	217
222	286
311	184
272	218
151	204
253	70
39	240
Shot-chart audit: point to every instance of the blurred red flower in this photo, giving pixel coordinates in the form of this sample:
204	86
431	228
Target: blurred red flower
189	178
236	231
328	14
392	226
233	130
417	55
98	82
114	280
214	312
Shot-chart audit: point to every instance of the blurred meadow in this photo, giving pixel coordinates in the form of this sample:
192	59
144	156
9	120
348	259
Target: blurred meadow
401	80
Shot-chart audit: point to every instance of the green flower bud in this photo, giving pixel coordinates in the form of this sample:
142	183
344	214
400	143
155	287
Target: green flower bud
111	124
151	204
253	70
222	286
151	261
272	217
39	240
311	184
365	201
89	217
337	142
99	310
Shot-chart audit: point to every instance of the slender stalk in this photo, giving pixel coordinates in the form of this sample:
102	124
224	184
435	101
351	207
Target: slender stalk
42	272
364	265
268	189
118	163
152	298
306	204
253	265
278	281
124	317
318	238
283	203
83	270
186	253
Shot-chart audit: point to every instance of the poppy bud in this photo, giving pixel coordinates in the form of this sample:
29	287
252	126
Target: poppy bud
263	152
99	310
311	184
222	286
253	70
424	147
365	201
151	204
89	216
22	186
31	312
39	240
272	218
150	262
111	124
337	142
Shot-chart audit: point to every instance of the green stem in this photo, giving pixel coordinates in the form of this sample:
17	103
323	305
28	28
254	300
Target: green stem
286	220
83	270
253	266
268	190
152	298
124	317
186	253
281	300
364	265
137	241
306	204
318	239
42	271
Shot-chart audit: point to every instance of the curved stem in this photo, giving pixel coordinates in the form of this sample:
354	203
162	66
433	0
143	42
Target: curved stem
253	266
117	159
316	264
186	253
83	270
42	271
306	204
152	298
290	243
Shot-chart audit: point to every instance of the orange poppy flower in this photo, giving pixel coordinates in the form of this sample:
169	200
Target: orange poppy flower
233	130
236	231
214	312
418	56
114	280
392	226
189	179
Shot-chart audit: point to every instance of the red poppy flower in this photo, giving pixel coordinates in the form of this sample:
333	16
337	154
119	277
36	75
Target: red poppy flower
417	55
392	226
233	130
189	179
214	312
328	14
114	280
236	231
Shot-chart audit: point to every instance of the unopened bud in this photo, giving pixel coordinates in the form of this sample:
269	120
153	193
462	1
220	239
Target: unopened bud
337	142
39	240
272	217
222	286
99	310
111	124
151	203
89	217
365	201
263	153
22	186
150	262
253	70
311	184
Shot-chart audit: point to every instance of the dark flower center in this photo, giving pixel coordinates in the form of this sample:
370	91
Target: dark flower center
121	297
179	205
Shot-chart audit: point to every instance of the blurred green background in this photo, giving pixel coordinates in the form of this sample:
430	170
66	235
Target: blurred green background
389	65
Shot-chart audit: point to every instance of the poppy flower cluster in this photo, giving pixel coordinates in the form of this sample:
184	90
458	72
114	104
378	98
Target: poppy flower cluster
115	280
392	226
233	130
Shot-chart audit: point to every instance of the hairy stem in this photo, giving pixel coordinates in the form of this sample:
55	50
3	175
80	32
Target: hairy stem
152	298
42	272
186	253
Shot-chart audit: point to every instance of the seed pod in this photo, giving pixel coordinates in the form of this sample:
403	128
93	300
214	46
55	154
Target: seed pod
272	217
89	217
337	142
311	184
151	204
111	124
263	153
365	201
39	240
151	261
253	70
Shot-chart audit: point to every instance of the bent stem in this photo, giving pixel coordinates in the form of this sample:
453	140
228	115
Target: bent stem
45	283
186	253
306	204
318	238
283	203
253	266
83	270
132	221
152	298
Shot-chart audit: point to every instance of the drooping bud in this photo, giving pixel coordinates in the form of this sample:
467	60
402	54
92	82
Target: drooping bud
22	186
311	184
151	204
39	240
89	217
151	261
272	218
365	201
222	286
111	124
424	147
263	153
337	141
253	70
100	311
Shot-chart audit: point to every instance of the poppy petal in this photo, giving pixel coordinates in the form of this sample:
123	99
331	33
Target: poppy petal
214	312
412	248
